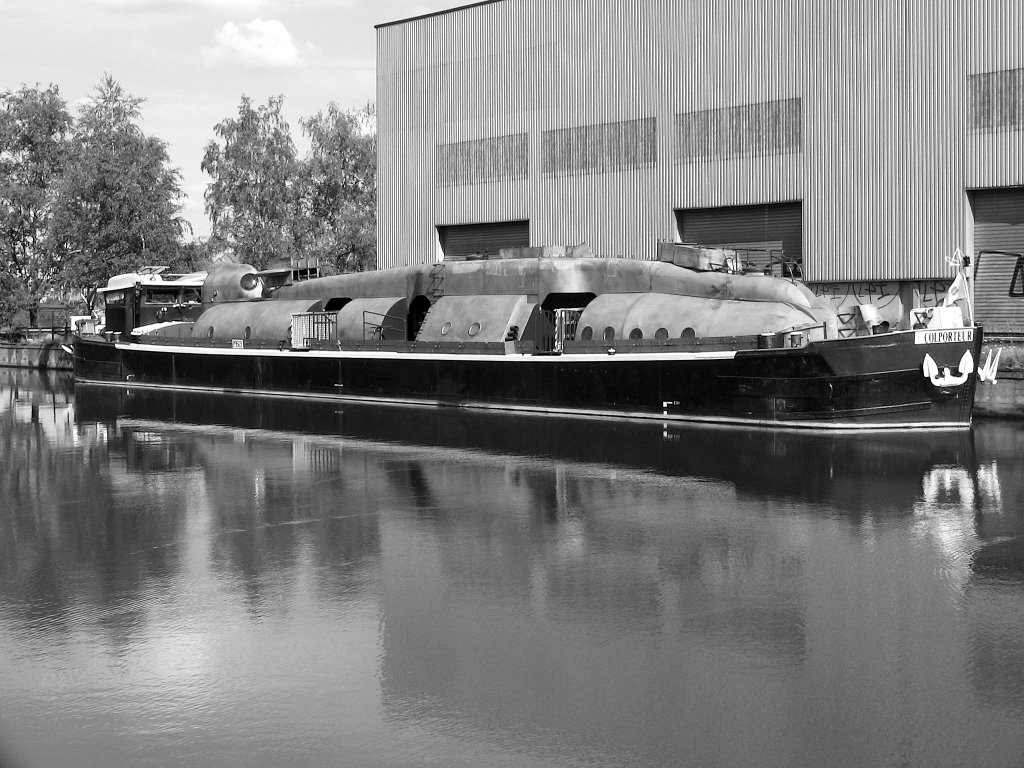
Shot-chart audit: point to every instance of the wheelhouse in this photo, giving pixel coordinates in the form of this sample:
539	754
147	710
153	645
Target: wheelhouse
151	296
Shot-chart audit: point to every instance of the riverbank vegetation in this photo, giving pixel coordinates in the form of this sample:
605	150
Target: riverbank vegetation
88	194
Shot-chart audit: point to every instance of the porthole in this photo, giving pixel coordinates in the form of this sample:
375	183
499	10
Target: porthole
474	329
688	334
661	334
636	334
248	332
587	334
210	332
445	328
609	334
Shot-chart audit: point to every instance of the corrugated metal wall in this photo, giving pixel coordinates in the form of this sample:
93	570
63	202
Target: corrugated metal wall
462	240
765	235
994	32
885	149
998	300
998	245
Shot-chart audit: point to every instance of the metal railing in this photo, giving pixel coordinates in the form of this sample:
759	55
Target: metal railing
554	328
313	326
379	325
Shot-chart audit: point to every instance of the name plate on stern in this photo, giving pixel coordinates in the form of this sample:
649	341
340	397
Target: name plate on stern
944	336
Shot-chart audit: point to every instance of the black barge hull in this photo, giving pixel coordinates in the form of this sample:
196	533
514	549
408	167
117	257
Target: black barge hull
863	383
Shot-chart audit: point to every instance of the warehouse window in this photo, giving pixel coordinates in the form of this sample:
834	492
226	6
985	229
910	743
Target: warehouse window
600	148
997	101
749	130
499	158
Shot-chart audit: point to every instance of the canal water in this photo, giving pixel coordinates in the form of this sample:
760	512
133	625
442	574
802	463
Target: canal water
193	580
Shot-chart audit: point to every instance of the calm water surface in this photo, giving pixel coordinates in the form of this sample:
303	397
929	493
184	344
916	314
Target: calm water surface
195	581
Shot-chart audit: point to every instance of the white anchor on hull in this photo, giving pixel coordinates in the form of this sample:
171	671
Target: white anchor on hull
947	378
990	369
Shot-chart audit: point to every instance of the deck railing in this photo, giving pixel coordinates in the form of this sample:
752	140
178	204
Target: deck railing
309	327
379	325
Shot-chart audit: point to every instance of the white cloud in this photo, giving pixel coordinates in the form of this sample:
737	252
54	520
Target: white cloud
259	44
163	5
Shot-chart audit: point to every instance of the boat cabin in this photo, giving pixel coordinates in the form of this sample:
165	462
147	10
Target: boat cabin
151	296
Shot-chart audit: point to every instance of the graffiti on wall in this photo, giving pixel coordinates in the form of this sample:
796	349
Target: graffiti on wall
892	299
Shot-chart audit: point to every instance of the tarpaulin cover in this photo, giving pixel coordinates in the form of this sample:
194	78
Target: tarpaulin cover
649	312
269	320
381	318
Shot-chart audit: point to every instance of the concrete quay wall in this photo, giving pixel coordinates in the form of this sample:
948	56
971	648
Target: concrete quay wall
45	355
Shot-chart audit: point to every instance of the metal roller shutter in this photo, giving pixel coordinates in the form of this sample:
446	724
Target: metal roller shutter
998	246
461	240
769	232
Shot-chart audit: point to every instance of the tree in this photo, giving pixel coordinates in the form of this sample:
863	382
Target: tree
339	193
252	199
120	200
13	299
34	129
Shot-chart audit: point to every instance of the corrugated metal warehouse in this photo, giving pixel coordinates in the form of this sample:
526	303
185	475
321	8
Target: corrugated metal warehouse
857	142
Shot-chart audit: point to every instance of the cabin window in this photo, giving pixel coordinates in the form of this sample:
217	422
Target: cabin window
248	332
688	334
474	329
636	334
192	296
661	334
162	296
609	334
210	332
445	328
115	298
587	334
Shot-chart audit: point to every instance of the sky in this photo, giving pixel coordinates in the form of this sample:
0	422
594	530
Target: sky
193	60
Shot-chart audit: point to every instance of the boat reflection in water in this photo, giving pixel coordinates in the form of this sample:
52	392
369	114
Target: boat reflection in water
993	594
788	464
246	581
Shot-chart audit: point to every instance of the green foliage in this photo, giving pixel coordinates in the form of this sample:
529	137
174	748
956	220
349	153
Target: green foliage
268	207
252	200
82	199
34	150
339	192
119	199
13	299
195	255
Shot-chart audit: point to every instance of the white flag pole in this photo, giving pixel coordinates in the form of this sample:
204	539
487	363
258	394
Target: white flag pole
959	262
968	284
